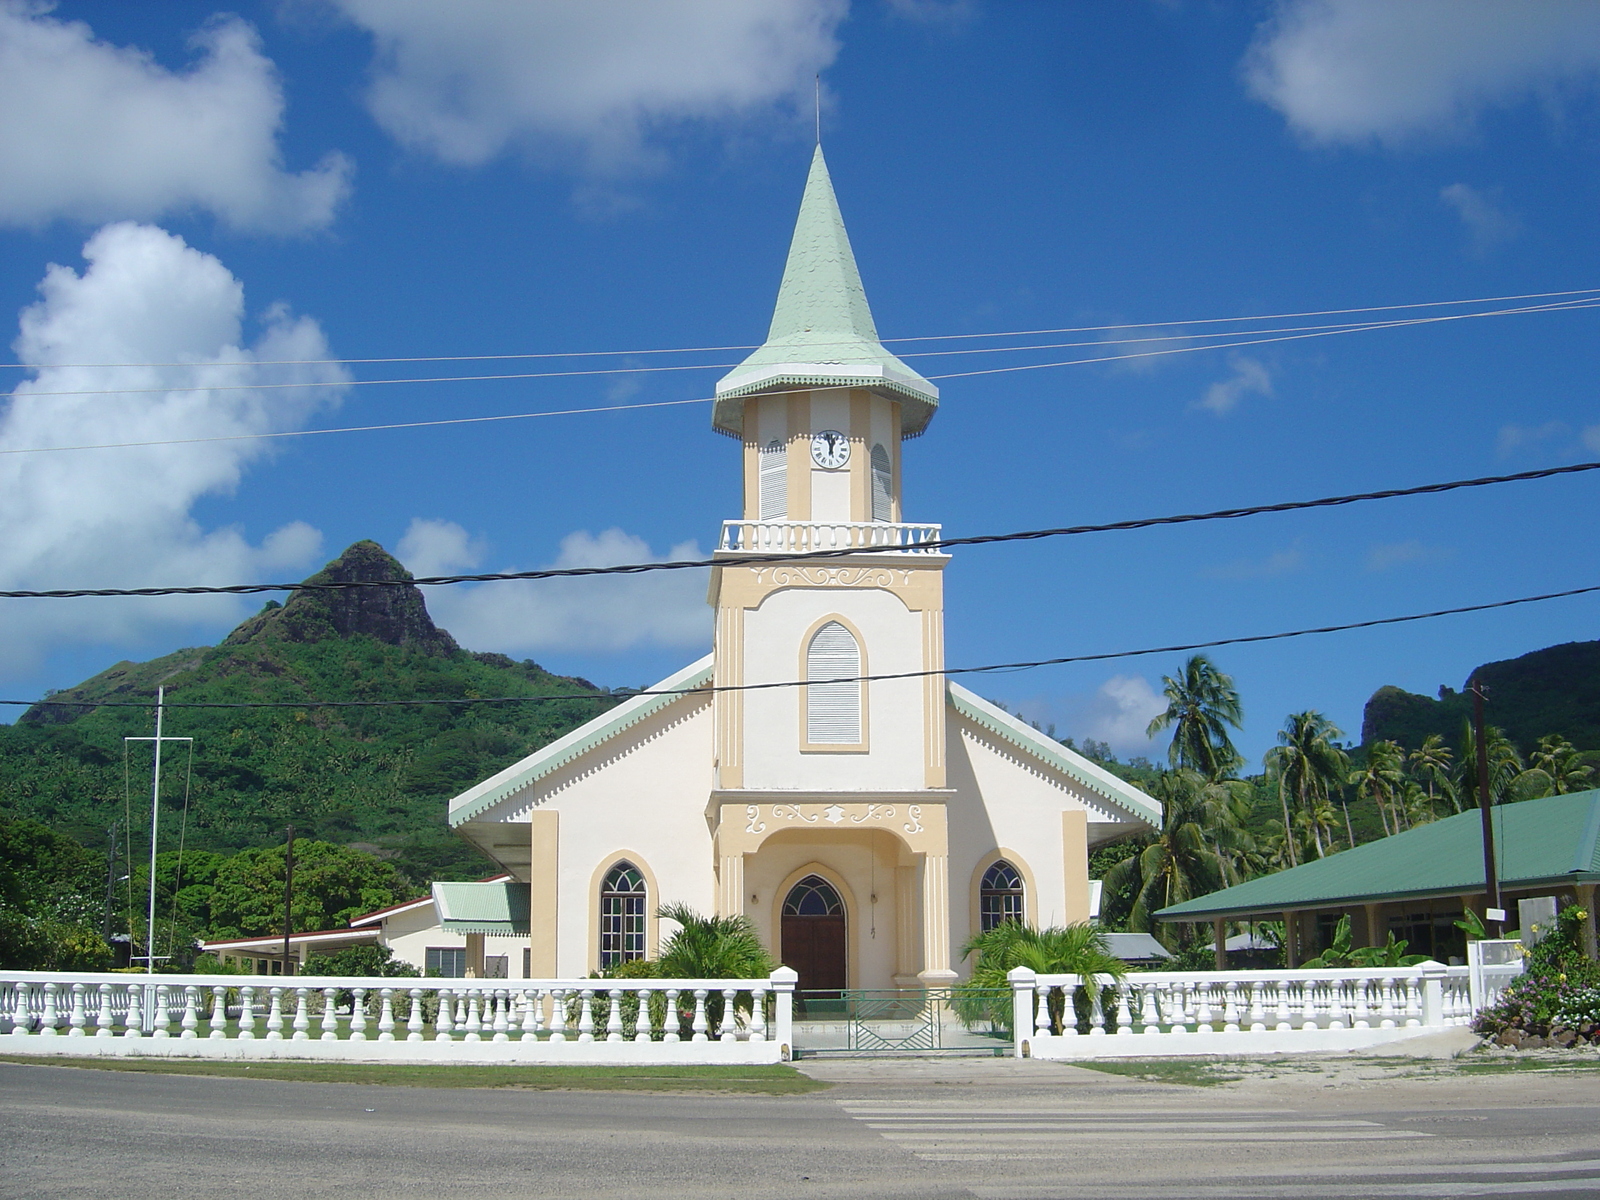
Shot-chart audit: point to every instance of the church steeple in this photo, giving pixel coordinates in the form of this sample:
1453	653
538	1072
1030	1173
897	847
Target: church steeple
822	333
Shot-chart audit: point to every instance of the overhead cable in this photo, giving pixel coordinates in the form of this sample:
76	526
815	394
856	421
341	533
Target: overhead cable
988	668
746	560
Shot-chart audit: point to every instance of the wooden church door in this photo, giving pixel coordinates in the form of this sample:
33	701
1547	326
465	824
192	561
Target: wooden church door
813	935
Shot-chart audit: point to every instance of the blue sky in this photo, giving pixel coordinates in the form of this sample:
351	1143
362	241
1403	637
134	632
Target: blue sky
361	179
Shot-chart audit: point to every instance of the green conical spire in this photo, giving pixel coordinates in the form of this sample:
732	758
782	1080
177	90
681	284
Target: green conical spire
822	333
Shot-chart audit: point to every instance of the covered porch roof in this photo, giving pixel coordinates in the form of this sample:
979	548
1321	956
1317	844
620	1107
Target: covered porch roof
498	907
1548	843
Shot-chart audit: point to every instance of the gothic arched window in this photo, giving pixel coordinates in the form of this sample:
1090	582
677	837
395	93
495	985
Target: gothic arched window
999	896
833	689
772	482
813	896
882	485
622	909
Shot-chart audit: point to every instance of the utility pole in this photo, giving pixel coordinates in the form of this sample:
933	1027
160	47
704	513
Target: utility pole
1494	916
111	879
155	822
288	896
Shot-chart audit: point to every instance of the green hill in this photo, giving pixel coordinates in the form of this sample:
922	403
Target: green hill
374	778
1554	690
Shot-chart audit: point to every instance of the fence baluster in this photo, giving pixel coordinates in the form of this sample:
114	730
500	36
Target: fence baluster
502	1014
247	1014
614	1015
103	1017
586	1016
558	1015
414	1017
474	1025
758	1014
673	1020
79	1018
219	1013
133	1023
730	1016
302	1014
645	1022
699	1025
274	1016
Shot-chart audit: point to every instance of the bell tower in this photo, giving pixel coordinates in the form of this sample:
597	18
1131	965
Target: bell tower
821	411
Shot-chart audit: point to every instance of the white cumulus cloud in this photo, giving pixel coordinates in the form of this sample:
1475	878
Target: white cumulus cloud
96	132
1249	378
1116	713
124	517
1393	71
467	80
603	613
1486	222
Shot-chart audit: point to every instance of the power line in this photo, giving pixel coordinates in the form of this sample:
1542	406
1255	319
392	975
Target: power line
1257	340
988	668
744	560
944	337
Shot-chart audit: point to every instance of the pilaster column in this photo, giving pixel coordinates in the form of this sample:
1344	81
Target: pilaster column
936	970
474	956
1291	940
730	885
1375	930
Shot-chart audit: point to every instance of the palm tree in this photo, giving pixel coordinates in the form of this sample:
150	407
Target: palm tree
1201	704
1563	763
1505	764
1380	779
709	948
1079	949
1308	763
1226	805
1431	762
1179	863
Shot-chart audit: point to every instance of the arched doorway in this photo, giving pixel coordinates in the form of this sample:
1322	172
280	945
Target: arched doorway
813	935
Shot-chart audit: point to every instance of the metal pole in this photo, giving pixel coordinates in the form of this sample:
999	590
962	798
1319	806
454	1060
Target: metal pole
111	881
288	896
1491	882
155	818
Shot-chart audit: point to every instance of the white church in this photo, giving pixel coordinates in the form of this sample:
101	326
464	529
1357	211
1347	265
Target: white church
867	826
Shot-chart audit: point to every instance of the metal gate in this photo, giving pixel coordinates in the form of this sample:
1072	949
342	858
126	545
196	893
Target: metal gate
904	1021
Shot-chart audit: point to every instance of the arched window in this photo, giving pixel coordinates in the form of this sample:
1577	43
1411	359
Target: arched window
813	896
833	691
772	480
882	485
999	896
622	901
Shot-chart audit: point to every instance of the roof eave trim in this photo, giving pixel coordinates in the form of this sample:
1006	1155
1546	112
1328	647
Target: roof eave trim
1101	782
580	741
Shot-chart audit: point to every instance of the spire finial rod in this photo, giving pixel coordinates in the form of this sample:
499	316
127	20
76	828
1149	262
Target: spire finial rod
817	104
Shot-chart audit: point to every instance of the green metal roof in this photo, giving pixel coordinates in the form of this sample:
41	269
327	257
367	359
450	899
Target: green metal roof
822	332
499	907
1538	843
1022	735
581	740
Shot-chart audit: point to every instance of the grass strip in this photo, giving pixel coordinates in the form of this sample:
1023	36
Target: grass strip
1189	1072
768	1080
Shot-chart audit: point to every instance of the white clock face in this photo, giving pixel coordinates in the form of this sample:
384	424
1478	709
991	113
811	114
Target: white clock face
830	449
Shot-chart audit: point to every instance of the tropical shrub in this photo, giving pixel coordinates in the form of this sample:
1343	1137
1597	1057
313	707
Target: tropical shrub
1557	997
985	998
1340	954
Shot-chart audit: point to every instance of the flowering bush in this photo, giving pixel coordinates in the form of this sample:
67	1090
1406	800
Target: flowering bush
1557	995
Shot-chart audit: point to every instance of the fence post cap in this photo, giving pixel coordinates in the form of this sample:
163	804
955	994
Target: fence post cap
785	975
1432	967
1019	975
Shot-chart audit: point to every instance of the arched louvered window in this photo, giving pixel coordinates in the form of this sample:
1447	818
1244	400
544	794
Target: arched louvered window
882	485
1000	896
833	691
622	907
773	482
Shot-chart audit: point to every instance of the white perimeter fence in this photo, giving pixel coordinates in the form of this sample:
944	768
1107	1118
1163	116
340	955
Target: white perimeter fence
578	1021
1165	1013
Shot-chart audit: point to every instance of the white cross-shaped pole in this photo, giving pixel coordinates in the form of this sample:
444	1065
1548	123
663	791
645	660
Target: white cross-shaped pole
155	819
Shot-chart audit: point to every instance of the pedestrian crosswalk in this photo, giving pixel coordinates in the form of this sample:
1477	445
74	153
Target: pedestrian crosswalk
1035	1153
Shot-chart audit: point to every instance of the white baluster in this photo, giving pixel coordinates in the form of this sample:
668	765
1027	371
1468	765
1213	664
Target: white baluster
191	1013
49	1016
414	1020
1202	1008
699	1025
1230	1006
330	1015
1258	1006
502	1015
161	1023
730	1015
1124	1016
1284	1012
586	1016
247	1014
758	1014
1363	1015
532	1011
358	1015
644	1023
474	1025
1149	1015
274	1015
302	1014
133	1023
1097	1015
385	1015
219	1013
1041	1012
444	1027
79	1017
103	1018
558	1015
1175	1014
669	1032
1413	1002
614	1016
21	1018
1336	1007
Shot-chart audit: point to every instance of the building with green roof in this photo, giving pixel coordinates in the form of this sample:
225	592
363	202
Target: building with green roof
1417	884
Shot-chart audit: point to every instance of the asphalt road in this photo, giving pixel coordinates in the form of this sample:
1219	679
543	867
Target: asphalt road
985	1128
